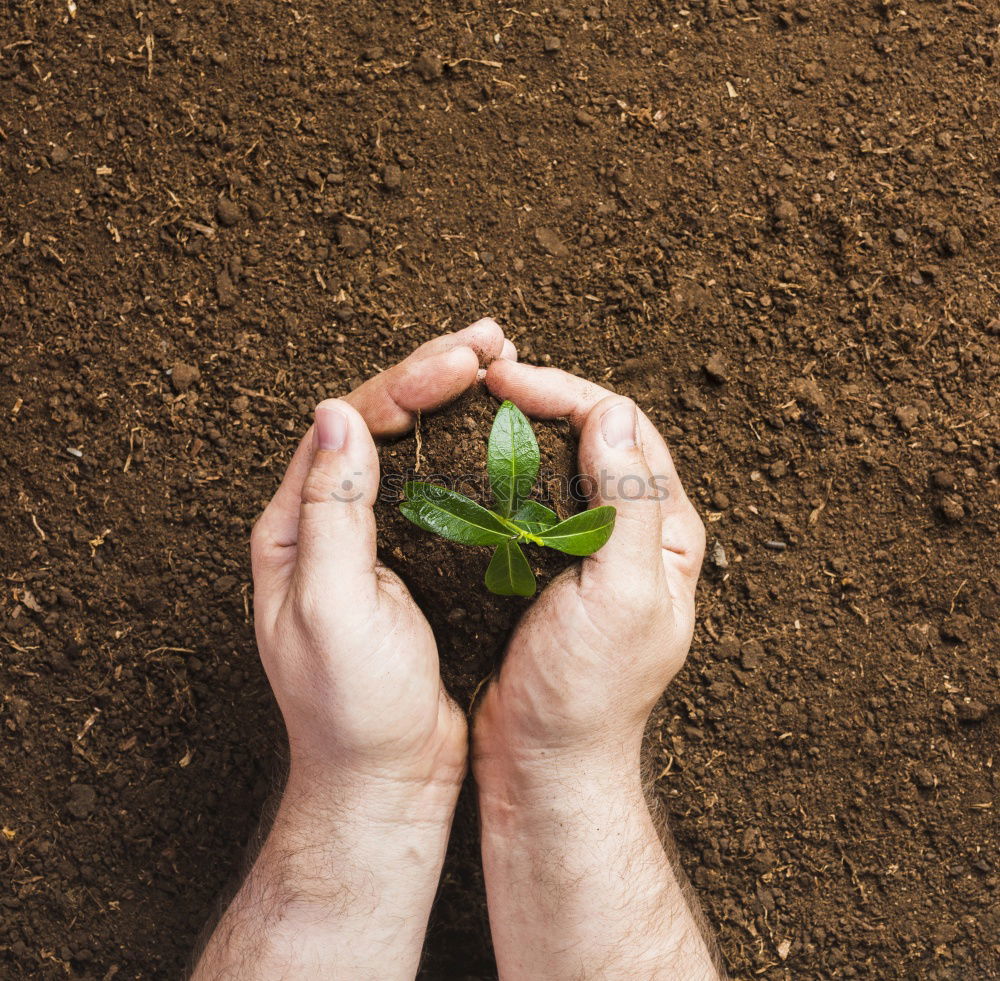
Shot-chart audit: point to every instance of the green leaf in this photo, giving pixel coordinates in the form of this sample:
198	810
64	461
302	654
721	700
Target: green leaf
582	534
509	573
451	515
535	517
511	458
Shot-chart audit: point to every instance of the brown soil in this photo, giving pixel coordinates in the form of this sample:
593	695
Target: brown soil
772	223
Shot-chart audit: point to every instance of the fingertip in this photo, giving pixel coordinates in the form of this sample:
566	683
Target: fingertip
427	385
490	375
331	410
340	430
485	338
330	427
460	366
500	374
610	430
508	352
485	323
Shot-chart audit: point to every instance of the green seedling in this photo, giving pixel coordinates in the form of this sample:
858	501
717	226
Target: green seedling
512	465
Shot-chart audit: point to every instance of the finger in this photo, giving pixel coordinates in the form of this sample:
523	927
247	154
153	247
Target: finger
548	393
509	352
544	393
335	560
387	407
611	456
390	401
485	337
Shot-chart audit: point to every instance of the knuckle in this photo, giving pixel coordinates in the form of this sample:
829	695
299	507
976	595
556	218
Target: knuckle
698	533
310	605
320	486
259	537
698	541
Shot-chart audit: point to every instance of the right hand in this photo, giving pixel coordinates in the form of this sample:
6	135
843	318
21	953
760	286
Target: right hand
589	660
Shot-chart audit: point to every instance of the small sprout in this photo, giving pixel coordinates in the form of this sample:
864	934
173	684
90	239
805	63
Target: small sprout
512	465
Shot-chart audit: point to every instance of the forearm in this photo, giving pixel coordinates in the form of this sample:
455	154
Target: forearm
577	880
342	887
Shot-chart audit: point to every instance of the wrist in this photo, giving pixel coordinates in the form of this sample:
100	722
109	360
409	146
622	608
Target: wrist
511	751
349	868
371	797
381	776
339	836
530	790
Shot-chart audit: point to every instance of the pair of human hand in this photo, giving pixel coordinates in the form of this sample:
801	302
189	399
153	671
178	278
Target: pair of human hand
353	662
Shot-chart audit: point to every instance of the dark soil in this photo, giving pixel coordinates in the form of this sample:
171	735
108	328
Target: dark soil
775	224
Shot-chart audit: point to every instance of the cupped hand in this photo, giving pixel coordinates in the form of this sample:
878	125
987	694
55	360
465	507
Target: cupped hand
591	657
350	657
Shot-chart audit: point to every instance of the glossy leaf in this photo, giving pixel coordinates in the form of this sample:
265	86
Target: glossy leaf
451	515
511	459
535	517
583	534
508	573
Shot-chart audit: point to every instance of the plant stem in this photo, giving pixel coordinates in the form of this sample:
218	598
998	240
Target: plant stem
525	536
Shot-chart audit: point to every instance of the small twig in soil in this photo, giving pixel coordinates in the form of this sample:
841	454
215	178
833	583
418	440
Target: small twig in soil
476	691
951	609
420	443
88	724
249	392
475	61
17	647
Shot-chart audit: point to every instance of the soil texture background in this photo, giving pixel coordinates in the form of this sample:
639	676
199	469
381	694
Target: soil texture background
772	222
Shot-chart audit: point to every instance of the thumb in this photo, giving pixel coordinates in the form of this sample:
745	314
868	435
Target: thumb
335	565
611	455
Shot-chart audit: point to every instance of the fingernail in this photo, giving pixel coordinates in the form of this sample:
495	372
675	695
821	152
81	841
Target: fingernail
331	428
619	425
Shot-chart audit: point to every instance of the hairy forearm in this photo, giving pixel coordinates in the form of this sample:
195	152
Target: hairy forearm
342	887
578	883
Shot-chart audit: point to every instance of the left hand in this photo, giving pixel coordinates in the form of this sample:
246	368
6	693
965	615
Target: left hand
351	659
